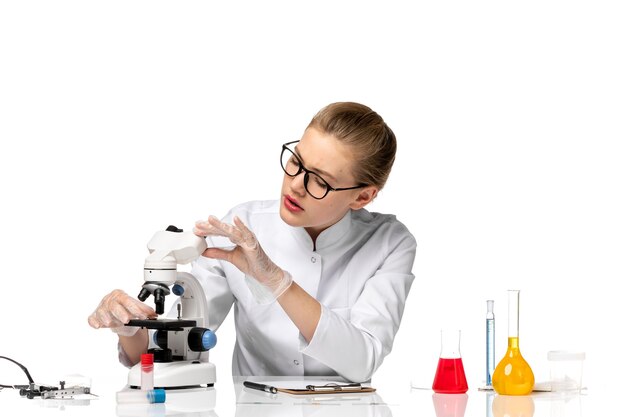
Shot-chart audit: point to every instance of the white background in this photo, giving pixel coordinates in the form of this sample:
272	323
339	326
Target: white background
119	118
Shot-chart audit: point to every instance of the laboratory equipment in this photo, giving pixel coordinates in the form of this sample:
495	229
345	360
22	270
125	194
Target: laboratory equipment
79	386
450	374
181	359
152	396
566	370
147	371
490	332
513	375
60	392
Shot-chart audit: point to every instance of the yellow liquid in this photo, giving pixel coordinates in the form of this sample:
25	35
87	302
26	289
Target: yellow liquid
513	375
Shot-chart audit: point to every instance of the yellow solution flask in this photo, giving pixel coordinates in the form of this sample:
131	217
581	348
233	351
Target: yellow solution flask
513	375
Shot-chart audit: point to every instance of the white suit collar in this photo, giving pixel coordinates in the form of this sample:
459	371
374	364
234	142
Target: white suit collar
328	237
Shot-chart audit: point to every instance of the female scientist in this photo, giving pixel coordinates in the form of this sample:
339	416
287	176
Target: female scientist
318	282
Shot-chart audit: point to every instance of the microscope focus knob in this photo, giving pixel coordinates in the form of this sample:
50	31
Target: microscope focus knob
201	339
178	289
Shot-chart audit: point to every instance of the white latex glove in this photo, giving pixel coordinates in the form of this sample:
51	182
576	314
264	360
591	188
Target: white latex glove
265	279
118	308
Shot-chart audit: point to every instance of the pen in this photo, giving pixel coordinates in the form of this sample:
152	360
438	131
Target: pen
260	387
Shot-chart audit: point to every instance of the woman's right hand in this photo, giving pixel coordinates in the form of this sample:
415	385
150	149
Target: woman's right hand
118	308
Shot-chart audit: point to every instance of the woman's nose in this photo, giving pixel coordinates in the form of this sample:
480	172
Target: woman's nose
297	184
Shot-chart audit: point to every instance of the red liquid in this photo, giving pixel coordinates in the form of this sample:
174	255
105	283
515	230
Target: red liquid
450	377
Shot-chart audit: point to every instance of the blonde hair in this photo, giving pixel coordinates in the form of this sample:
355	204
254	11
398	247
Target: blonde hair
361	128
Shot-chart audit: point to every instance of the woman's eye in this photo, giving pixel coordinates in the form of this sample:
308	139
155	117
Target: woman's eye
319	181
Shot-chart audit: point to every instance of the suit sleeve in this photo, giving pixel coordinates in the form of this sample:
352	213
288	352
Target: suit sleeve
356	346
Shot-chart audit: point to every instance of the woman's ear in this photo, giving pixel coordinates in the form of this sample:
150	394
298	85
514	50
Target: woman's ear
365	196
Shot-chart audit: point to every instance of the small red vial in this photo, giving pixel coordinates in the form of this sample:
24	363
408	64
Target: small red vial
147	371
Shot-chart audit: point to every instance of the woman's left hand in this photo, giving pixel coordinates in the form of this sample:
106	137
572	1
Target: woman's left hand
248	256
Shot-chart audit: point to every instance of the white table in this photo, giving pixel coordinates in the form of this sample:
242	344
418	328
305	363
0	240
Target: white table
392	398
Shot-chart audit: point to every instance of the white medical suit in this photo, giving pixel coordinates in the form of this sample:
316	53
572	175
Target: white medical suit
360	271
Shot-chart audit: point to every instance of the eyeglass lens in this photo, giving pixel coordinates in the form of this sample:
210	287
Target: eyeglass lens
313	183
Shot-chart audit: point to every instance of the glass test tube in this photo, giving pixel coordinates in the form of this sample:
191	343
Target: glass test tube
490	332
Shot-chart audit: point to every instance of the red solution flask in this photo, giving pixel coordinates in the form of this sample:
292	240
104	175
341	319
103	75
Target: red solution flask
450	375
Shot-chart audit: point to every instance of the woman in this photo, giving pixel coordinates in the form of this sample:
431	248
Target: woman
318	282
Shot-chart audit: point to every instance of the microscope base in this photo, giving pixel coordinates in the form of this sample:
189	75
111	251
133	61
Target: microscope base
178	374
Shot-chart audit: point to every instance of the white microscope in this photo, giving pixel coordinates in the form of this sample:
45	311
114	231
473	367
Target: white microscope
182	358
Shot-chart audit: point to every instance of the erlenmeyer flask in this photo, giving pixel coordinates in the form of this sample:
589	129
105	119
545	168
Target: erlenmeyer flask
513	375
450	375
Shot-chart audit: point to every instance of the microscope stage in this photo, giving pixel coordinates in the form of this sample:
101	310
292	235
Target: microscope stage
162	324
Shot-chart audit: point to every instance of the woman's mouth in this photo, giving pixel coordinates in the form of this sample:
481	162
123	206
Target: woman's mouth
291	204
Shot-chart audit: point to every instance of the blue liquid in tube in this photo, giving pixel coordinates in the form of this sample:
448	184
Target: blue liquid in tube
490	343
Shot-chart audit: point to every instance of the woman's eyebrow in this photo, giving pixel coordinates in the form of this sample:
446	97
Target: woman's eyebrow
316	170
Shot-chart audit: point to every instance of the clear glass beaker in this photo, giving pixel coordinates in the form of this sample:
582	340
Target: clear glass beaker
450	375
513	375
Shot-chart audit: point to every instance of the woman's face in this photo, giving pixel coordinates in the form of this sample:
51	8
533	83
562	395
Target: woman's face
331	160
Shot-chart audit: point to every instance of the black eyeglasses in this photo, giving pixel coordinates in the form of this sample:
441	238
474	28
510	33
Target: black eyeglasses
316	186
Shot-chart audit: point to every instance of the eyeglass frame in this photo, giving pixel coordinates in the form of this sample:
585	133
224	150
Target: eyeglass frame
301	168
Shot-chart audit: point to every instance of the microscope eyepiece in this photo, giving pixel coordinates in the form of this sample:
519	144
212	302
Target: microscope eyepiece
143	294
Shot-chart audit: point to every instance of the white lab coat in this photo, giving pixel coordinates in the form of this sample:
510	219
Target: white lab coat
360	272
